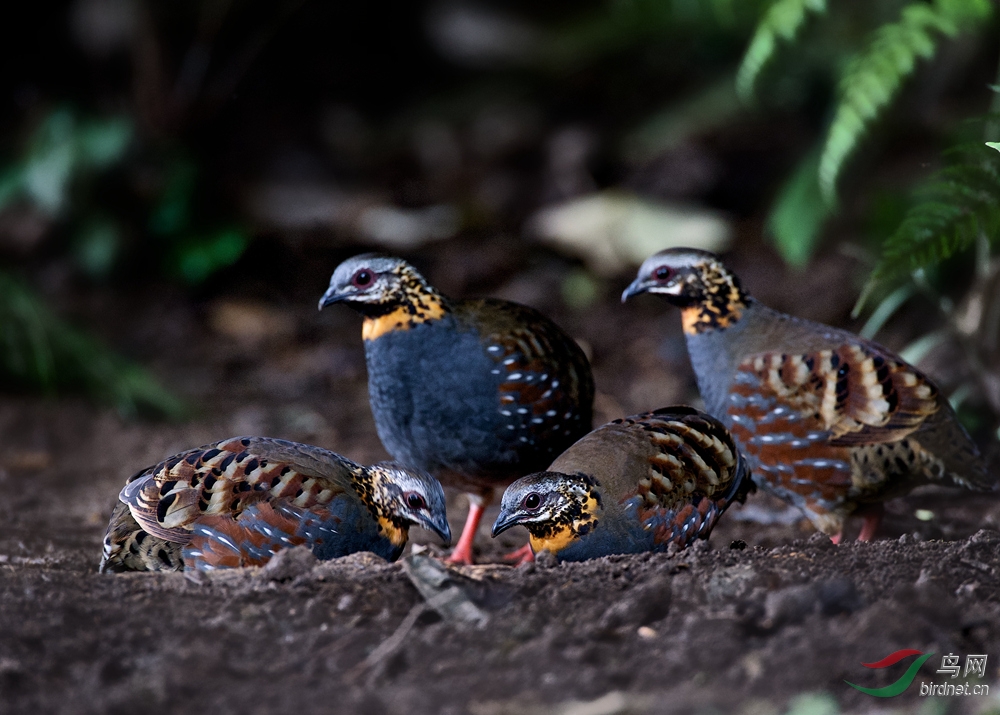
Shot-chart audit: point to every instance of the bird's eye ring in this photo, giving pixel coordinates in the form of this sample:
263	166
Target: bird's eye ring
363	278
532	501
415	501
663	274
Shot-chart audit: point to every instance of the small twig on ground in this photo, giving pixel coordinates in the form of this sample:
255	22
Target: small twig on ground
388	647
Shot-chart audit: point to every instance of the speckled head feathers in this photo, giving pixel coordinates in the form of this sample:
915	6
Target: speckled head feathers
697	282
408	496
376	285
549	502
387	291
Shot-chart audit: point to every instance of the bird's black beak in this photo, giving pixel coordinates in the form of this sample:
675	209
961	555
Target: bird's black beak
639	285
439	525
504	522
332	296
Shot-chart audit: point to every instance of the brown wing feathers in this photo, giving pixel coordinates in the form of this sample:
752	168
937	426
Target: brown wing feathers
223	479
547	377
695	472
857	393
689	452
262	530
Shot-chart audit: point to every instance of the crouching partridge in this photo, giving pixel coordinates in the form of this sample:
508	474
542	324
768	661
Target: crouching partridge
477	392
239	501
829	422
636	484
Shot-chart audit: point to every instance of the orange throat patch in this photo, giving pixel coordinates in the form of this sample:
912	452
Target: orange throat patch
554	542
710	316
423	309
559	536
392	532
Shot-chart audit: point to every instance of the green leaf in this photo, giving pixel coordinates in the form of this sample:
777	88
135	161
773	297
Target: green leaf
198	258
97	247
952	210
873	77
993	145
50	162
58	150
103	143
11	184
885	310
798	214
783	21
172	213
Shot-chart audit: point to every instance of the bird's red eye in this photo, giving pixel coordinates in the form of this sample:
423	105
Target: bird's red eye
663	274
532	501
415	501
363	278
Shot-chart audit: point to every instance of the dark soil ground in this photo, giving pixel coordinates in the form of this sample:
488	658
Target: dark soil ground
775	627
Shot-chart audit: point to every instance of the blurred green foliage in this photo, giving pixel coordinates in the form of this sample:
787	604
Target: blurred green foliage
782	21
61	149
870	77
39	351
952	210
873	76
191	255
196	257
61	161
799	213
63	158
813	704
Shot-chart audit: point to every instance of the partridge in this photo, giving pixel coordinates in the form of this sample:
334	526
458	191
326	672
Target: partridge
636	484
477	392
237	502
830	422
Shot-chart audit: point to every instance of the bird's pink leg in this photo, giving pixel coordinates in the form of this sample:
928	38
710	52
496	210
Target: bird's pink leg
523	555
462	553
837	537
873	519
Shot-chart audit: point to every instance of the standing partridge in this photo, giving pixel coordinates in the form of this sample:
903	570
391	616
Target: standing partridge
637	484
477	392
829	422
239	501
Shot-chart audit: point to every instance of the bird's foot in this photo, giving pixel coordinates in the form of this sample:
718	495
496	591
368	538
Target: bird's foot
837	537
462	553
872	520
523	555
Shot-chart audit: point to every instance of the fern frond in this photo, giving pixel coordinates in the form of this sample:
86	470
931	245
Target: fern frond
873	77
783	20
40	352
797	217
953	210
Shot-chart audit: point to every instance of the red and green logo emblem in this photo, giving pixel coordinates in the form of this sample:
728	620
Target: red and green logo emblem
894	689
